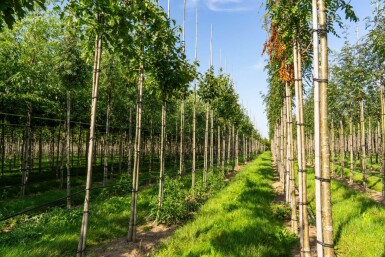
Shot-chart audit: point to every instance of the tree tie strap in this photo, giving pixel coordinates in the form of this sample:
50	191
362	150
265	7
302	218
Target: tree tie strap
307	251
97	70
302	203
325	245
297	79
301	171
292	179
327	180
300	124
321	80
320	31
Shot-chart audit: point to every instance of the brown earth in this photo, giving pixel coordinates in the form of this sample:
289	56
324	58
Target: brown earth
296	251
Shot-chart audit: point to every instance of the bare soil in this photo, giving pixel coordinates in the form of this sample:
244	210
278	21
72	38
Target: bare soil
148	237
296	251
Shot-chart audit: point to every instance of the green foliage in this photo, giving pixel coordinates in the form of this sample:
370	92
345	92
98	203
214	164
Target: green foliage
180	202
10	10
281	210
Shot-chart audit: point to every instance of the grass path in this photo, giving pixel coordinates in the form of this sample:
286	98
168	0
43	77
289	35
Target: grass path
241	220
358	221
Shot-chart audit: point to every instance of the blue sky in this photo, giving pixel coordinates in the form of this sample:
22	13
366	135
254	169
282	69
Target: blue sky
238	35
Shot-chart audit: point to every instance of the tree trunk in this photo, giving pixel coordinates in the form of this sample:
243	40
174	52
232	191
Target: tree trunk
26	162
228	148
324	131
363	150
181	149
211	140
236	149
302	175
382	99
290	162
107	134
68	165
206	146
162	160
342	148
351	149
233	147
333	149
317	148
223	149
131	237
95	87
129	145
219	148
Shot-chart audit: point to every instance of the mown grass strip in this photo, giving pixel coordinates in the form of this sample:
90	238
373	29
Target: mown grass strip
359	222
238	221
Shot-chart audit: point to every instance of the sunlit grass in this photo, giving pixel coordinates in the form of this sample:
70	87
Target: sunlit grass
238	221
359	222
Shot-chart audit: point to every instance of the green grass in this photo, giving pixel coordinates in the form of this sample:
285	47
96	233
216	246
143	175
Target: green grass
55	232
374	180
359	222
240	220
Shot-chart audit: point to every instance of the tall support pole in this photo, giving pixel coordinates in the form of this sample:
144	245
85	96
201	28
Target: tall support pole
95	86
182	104
194	106
317	147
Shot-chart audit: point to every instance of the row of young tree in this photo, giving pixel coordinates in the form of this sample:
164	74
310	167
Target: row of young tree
134	57
336	105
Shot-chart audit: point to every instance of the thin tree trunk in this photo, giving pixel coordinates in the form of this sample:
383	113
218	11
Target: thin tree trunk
382	94
26	162
206	146
236	149
95	87
317	148
324	131
342	148
223	149
333	149
131	237
129	145
290	163
228	149
351	149
181	149
211	140
162	160
107	135
233	147
120	152
363	150
219	147
302	176
68	165
194	109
